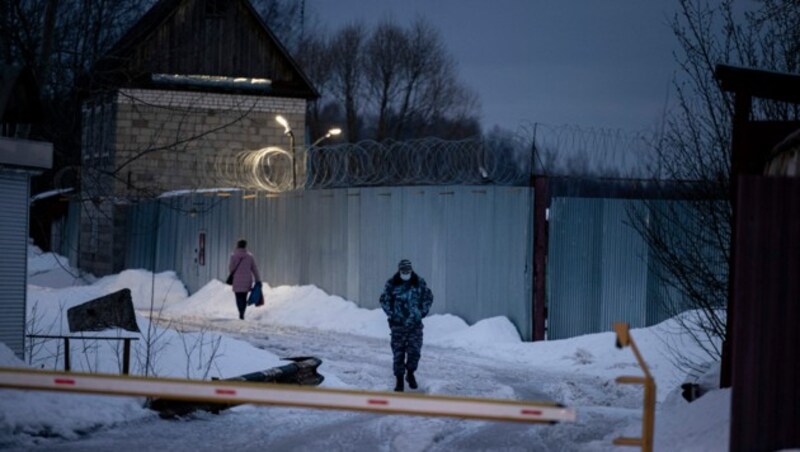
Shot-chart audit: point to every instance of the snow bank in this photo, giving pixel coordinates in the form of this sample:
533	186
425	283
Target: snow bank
173	353
26	415
53	270
310	307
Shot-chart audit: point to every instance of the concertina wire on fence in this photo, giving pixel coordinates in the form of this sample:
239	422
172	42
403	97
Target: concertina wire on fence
429	161
558	151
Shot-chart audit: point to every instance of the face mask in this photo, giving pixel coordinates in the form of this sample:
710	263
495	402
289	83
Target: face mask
405	276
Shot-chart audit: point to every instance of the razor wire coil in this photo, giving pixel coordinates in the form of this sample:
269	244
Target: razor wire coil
428	161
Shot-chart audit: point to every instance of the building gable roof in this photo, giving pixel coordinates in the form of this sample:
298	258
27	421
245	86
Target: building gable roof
217	38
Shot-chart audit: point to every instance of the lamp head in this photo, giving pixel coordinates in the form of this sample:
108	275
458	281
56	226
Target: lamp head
282	121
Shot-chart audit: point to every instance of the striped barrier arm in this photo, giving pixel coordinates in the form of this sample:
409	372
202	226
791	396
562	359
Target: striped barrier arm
234	392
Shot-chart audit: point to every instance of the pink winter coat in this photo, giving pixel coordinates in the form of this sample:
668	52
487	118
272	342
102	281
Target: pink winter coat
245	272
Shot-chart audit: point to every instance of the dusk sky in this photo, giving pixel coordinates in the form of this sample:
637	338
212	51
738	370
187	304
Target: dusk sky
595	64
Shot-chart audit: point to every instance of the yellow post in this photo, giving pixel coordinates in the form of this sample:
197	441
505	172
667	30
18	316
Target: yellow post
649	416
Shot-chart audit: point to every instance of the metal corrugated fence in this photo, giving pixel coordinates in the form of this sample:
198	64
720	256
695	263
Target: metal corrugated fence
14	190
472	244
598	269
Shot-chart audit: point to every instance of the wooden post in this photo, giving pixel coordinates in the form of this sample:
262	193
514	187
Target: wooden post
649	416
741	163
649	410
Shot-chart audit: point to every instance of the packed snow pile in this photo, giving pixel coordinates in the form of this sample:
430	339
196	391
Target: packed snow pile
27	417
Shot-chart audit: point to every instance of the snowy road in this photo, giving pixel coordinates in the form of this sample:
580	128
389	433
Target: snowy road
365	363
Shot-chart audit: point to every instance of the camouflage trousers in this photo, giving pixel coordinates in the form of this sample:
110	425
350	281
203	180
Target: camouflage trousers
406	348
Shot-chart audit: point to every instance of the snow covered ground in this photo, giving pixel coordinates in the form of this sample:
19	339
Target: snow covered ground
200	337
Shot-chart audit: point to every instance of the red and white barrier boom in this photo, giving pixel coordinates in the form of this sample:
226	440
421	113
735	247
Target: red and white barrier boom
276	394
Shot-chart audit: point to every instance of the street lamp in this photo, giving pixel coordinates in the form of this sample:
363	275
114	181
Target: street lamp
288	131
331	133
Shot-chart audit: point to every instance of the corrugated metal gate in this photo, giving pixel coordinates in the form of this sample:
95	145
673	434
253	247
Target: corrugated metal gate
597	267
14	190
600	269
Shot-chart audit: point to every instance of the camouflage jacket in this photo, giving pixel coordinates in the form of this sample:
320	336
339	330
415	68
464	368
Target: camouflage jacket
406	302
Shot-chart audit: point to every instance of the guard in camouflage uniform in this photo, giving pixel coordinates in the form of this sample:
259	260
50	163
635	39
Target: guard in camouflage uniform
406	300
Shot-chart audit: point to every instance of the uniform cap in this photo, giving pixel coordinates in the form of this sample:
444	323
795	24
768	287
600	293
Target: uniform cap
404	265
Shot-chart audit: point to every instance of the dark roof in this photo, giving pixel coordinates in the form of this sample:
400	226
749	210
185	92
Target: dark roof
19	96
221	38
759	83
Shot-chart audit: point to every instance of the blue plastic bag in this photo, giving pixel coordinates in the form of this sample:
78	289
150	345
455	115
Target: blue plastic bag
256	297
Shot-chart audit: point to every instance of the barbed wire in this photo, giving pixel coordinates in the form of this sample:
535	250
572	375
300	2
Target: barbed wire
428	161
508	159
562	150
268	169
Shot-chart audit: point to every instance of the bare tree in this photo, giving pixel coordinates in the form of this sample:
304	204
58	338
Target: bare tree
690	240
384	57
390	82
59	41
431	92
317	62
347	78
413	83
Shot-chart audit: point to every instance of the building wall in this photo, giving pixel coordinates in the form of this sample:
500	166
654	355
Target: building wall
179	135
14	190
138	144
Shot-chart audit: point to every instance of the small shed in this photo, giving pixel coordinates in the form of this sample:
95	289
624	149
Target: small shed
20	159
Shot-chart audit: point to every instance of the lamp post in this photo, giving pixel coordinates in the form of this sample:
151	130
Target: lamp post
288	131
331	133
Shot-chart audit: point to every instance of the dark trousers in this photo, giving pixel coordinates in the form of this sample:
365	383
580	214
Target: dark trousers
406	348
241	303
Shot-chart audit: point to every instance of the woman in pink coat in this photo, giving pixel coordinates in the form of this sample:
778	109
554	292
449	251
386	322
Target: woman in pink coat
244	269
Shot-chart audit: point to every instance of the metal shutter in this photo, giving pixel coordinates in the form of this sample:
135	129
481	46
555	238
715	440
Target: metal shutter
14	192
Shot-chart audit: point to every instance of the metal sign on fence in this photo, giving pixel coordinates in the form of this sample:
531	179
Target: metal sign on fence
229	392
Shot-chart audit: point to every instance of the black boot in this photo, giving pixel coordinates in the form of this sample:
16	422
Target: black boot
412	382
399	386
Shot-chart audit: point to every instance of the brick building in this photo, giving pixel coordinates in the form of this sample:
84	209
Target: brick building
192	85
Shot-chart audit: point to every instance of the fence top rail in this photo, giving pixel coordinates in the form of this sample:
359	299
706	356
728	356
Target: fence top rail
105	338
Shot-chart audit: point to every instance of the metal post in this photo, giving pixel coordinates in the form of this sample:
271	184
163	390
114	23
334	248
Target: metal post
66	354
541	202
126	356
294	160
